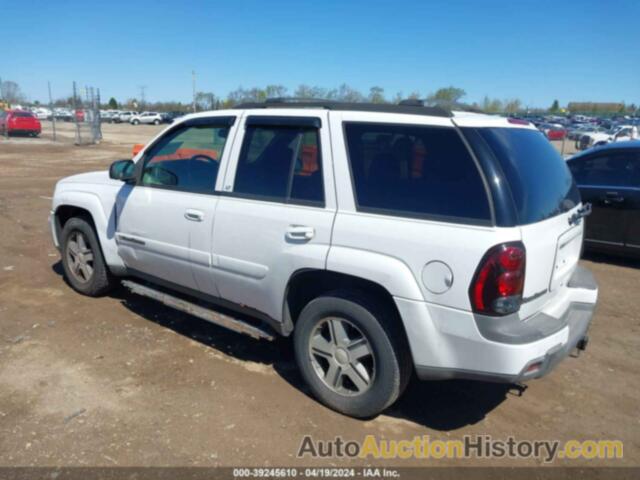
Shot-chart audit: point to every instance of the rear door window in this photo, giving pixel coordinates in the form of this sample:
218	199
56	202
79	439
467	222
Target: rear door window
281	163
415	171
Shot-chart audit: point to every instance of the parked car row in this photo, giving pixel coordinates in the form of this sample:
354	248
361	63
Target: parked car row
619	133
110	116
137	118
586	131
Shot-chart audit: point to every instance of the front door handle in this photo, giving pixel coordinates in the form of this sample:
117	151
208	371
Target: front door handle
194	215
300	232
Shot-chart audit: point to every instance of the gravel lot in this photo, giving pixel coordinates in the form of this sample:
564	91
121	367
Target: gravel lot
122	381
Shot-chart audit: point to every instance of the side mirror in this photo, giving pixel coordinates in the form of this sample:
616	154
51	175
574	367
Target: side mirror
123	170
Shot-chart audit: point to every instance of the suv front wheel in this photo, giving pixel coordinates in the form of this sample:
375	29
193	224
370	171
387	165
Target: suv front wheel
82	259
351	353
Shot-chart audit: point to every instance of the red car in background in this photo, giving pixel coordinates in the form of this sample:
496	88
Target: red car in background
19	121
553	132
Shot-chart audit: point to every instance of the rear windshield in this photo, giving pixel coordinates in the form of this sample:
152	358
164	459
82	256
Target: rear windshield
23	114
540	181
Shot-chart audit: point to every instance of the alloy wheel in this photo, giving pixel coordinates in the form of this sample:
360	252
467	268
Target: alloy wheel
342	356
80	257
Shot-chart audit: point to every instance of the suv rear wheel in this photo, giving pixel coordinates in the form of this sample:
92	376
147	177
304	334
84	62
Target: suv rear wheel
82	259
350	351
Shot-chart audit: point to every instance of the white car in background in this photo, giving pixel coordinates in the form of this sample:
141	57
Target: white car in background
146	118
124	116
620	133
109	115
42	113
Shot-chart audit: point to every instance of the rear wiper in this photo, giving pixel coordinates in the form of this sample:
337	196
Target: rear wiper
581	213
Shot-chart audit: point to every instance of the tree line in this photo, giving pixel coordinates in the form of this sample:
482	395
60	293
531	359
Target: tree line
448	97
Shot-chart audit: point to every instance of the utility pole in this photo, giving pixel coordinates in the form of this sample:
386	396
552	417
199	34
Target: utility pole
193	80
53	116
75	114
142	96
6	105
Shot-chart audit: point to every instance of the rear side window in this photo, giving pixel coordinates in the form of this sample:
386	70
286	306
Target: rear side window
539	180
607	170
281	164
415	171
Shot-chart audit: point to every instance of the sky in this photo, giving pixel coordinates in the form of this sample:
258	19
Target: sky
536	51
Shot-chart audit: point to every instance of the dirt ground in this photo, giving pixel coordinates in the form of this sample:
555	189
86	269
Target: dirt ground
123	381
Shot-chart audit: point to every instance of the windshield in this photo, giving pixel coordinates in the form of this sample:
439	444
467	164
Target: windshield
540	181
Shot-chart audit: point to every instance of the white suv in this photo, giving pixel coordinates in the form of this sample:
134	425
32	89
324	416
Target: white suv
146	118
385	239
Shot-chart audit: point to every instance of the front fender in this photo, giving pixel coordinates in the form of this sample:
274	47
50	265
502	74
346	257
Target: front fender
103	213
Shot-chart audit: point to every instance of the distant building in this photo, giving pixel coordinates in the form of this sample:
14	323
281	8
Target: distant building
595	107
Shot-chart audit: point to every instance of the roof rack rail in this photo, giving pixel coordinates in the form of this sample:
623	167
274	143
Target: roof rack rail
411	107
295	100
412	102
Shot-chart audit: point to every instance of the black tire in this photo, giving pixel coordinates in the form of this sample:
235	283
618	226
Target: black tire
156	122
390	352
101	280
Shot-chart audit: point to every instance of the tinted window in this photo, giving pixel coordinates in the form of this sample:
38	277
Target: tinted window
540	181
415	171
613	169
187	159
23	114
282	164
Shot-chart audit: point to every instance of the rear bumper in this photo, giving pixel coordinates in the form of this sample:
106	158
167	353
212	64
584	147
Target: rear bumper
577	320
448	344
25	130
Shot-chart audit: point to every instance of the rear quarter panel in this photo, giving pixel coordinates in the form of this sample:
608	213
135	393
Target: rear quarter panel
407	244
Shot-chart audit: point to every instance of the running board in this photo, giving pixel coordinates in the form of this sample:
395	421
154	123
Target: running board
198	311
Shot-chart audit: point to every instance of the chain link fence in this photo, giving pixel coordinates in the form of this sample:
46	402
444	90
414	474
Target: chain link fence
87	115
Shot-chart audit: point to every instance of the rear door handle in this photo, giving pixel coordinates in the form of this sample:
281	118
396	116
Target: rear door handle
194	215
300	232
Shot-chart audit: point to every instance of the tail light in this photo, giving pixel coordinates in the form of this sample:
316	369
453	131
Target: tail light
498	283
